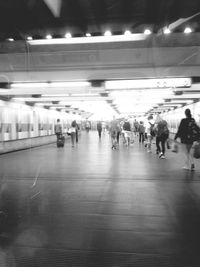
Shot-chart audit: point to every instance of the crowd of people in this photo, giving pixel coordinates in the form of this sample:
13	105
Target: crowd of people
156	130
147	132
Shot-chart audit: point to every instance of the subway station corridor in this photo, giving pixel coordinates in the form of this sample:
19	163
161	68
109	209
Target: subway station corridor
92	206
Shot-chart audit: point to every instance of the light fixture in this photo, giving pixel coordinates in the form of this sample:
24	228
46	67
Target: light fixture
10	39
29	38
147	32
49	84
187	30
127	32
167	31
49	37
88	34
148	83
90	39
57	95
68	35
108	33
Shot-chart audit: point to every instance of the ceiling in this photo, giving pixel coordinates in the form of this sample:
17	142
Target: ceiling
21	18
38	18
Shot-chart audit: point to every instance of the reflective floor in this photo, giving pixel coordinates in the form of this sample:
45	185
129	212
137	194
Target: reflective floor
94	207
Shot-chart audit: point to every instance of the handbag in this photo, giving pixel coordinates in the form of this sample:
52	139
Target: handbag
196	152
69	131
175	148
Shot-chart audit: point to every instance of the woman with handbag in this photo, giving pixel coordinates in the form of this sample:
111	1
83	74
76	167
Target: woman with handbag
188	132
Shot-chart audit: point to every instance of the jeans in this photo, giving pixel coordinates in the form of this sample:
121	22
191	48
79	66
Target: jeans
73	136
141	137
161	139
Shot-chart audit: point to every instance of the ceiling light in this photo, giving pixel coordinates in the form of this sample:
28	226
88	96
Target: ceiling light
29	38
147	31
107	33
49	37
187	30
127	32
88	34
148	83
57	95
93	39
68	35
167	31
51	84
10	39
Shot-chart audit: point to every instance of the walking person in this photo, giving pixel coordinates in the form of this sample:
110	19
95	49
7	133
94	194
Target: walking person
162	134
127	131
141	130
73	132
58	129
114	128
188	132
99	128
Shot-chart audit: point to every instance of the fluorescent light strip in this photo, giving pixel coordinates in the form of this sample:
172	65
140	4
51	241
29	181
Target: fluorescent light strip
49	85
47	99
148	83
92	39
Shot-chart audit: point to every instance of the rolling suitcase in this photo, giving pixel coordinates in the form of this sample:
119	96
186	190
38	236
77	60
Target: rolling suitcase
60	141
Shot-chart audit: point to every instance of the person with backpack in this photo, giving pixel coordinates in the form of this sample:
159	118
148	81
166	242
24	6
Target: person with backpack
188	132
162	134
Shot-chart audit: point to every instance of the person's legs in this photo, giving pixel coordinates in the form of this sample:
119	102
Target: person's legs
149	141
118	134
163	139
113	138
163	142
190	157
73	138
99	133
140	137
158	145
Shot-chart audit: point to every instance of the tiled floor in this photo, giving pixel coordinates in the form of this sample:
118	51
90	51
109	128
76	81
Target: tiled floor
91	206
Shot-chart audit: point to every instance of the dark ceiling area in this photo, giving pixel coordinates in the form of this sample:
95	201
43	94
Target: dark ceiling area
20	18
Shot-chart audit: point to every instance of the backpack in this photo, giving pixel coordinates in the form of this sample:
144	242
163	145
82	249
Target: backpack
193	131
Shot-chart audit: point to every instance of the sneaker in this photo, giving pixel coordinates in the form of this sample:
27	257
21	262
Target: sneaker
160	155
192	167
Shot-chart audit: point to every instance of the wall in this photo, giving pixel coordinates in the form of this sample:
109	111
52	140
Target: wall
23	126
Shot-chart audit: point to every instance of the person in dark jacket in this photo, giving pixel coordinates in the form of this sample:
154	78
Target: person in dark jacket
185	133
74	132
99	128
